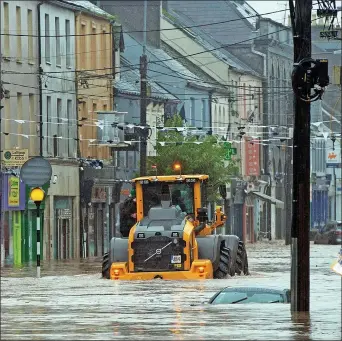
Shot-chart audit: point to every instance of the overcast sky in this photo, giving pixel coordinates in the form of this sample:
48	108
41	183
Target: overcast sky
278	5
270	6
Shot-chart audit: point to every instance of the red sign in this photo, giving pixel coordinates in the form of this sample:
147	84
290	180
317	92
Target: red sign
252	157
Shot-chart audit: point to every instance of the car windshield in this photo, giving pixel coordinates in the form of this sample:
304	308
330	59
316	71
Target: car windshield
180	194
232	297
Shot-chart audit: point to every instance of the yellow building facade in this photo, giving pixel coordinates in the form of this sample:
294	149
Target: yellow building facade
94	69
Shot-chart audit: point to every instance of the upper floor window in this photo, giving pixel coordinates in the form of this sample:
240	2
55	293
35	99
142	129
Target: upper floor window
69	136
32	119
104	48
192	111
204	112
6	30
93	39
67	43
19	117
58	151
48	124
58	42
47	39
83	56
30	35
18	24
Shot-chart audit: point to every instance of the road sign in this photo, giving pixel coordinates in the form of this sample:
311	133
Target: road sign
14	157
229	152
333	159
36	172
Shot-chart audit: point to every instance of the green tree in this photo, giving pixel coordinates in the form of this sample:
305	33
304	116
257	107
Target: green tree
196	156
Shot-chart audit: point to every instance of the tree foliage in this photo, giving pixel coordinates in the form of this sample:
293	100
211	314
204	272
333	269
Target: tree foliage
204	156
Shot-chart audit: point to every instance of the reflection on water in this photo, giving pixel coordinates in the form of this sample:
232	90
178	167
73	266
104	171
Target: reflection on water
72	302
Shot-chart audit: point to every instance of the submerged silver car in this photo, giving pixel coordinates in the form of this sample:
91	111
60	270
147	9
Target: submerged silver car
250	295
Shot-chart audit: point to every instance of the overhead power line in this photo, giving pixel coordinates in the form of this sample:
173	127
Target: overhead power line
140	31
167	59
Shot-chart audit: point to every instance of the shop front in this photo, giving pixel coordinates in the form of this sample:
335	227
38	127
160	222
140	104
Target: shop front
98	231
63	239
13	206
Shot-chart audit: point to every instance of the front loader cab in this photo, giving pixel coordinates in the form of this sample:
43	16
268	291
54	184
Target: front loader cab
184	193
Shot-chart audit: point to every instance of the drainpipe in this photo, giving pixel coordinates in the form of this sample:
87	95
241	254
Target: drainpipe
265	121
112	22
40	83
210	132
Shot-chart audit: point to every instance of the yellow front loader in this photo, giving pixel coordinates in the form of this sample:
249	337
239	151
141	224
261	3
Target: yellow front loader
173	238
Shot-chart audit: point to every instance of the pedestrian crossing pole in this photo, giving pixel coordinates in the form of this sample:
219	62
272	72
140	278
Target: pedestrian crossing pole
37	196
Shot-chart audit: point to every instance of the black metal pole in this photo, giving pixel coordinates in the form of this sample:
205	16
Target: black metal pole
143	105
38	237
300	270
40	83
335	193
143	98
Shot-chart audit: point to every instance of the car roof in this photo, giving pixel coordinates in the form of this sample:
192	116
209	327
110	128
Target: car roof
246	289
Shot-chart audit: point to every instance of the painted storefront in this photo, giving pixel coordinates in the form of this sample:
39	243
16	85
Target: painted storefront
13	207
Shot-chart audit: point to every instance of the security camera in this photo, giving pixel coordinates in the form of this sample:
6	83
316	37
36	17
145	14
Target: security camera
55	178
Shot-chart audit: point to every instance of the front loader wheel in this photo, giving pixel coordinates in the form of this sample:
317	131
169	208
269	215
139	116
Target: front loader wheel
105	266
241	264
223	268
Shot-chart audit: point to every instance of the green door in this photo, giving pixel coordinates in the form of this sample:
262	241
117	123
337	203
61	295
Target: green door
16	221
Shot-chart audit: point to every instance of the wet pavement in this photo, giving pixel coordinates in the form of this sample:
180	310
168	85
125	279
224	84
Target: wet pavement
72	302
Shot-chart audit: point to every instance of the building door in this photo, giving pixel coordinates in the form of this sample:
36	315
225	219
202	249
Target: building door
63	243
16	221
249	224
99	230
63	237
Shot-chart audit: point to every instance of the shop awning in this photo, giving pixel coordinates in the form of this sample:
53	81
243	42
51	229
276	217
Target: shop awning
274	201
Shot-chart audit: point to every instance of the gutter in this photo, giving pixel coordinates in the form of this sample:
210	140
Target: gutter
40	82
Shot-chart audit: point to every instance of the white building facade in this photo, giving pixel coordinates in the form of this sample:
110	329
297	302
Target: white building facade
59	128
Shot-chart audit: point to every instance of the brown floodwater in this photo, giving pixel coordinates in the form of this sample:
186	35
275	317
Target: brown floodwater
72	302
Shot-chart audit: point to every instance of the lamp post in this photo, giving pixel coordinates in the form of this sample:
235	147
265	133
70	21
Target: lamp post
177	167
37	196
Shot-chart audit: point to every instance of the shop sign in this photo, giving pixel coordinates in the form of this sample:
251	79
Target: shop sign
14	157
13	191
252	158
98	194
64	213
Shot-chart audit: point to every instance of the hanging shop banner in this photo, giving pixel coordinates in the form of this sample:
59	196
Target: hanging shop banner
13	191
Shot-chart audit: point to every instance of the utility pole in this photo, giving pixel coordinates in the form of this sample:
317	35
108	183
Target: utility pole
143	99
300	267
2	241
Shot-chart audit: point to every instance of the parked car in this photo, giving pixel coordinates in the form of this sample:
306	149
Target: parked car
250	295
330	234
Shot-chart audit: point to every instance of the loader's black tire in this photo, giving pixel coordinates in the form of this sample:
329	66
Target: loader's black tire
241	264
105	266
223	268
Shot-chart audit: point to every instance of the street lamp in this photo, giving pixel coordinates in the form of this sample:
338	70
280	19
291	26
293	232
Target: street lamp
177	167
37	196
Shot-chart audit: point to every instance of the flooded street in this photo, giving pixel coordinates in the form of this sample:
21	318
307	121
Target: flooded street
72	302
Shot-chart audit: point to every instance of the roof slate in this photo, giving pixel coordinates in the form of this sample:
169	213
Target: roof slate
129	83
209	43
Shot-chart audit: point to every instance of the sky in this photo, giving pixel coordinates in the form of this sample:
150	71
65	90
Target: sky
269	6
277	5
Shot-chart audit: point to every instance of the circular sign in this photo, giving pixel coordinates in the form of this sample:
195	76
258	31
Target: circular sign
36	172
7	155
